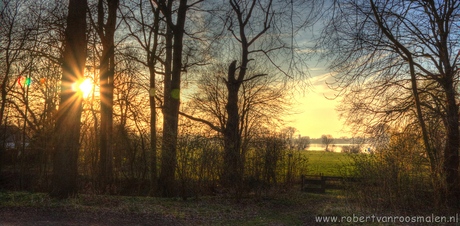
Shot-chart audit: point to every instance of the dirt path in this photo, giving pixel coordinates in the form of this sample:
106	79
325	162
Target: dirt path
33	216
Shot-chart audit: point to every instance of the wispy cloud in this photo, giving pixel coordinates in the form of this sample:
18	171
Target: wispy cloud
308	50
321	80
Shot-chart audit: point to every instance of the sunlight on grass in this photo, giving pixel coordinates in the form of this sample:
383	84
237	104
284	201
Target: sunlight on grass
328	163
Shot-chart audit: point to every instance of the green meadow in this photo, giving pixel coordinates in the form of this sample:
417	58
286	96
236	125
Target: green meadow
327	163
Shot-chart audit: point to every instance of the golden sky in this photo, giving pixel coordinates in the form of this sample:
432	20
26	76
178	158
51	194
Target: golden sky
317	113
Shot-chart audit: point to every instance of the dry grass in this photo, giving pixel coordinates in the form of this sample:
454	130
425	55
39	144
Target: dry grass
288	208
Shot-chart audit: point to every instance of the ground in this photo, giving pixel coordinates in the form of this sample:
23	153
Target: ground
280	206
276	207
290	208
54	216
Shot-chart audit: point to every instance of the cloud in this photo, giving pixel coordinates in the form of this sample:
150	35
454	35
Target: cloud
321	80
309	50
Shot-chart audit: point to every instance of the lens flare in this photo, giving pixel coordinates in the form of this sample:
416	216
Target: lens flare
86	87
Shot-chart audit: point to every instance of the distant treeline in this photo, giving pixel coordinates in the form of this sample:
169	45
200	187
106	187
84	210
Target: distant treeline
341	140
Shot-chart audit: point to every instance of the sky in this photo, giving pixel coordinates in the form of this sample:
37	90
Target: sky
317	113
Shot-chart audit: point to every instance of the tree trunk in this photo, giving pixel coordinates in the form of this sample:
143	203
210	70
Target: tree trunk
3	99
153	131
166	186
153	113
107	71
451	156
2	110
66	149
232	136
172	100
233	159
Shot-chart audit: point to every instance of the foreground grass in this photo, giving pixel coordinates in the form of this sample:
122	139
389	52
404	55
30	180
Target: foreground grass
293	208
328	163
284	208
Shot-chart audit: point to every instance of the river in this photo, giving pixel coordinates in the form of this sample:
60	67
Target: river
334	147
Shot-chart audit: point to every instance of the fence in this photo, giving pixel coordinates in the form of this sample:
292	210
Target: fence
319	183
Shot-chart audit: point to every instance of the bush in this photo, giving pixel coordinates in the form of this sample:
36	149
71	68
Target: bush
353	149
397	177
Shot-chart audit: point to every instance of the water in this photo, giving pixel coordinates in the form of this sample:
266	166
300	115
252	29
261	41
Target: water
333	147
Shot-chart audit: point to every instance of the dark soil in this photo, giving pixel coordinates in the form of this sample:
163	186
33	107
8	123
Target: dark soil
52	216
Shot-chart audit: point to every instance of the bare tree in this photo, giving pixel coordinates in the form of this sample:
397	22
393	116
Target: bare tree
65	168
243	21
289	136
15	38
387	46
145	29
327	140
174	37
106	32
289	131
261	102
302	143
251	23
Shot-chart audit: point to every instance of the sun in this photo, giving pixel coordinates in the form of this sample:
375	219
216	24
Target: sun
86	87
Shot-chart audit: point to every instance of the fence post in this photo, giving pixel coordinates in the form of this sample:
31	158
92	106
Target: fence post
301	186
323	183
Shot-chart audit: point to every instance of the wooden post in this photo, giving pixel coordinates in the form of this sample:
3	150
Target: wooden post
301	186
323	185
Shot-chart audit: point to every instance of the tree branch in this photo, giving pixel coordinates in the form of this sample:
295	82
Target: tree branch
202	121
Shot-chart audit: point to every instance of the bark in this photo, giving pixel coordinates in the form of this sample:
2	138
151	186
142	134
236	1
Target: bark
165	152
232	134
171	97
151	59
2	110
107	70
232	171
451	156
153	132
451	151
65	172
3	96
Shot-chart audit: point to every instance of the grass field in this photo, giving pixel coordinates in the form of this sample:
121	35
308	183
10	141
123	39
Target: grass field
327	163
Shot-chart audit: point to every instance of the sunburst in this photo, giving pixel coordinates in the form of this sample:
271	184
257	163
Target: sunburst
85	87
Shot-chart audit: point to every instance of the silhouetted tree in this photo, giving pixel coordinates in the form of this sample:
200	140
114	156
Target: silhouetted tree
66	149
251	23
302	143
174	36
17	28
145	29
327	140
106	33
389	48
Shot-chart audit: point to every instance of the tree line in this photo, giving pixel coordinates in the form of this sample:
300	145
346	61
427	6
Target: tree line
396	65
397	69
139	57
